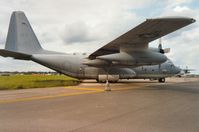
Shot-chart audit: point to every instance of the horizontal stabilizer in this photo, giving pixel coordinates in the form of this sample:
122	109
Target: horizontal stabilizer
16	55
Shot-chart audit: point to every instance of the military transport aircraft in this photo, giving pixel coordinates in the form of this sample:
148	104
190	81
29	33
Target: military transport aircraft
127	57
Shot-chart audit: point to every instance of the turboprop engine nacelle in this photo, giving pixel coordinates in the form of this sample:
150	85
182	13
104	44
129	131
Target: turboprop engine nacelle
135	58
96	62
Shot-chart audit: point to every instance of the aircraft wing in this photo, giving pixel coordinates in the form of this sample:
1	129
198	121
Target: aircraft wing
144	33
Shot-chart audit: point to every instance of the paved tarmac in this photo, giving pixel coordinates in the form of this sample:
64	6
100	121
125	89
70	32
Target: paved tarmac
137	106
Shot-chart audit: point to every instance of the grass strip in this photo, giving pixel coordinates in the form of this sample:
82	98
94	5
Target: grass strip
35	81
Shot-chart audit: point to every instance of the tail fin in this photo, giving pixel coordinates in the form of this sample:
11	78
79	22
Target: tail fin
21	37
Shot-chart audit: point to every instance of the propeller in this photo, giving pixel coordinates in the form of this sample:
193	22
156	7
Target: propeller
161	50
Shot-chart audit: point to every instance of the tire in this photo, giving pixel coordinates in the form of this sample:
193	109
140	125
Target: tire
161	80
98	81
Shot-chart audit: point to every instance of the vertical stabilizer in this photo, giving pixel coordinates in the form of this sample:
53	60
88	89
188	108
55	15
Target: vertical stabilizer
21	37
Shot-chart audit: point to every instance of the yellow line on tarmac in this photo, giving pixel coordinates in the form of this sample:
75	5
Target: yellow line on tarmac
90	89
85	91
100	89
47	97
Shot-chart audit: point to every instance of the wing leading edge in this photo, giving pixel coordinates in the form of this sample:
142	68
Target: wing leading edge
144	33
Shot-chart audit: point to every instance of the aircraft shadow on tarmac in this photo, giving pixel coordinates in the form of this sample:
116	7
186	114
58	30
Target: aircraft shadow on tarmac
120	82
185	87
179	87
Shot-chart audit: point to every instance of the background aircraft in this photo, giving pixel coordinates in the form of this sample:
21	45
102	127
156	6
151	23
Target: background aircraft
127	57
184	72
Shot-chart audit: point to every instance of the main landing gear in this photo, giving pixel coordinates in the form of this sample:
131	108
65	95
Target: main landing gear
161	80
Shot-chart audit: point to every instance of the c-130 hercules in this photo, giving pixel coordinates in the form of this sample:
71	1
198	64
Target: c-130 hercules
127	57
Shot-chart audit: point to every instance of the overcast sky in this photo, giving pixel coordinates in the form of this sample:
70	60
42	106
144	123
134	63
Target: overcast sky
86	25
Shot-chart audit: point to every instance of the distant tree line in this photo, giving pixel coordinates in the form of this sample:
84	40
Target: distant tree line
28	72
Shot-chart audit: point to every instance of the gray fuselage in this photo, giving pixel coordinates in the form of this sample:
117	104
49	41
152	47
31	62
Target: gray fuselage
72	65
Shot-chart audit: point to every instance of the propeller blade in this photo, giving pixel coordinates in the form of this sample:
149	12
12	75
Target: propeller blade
160	44
161	50
167	50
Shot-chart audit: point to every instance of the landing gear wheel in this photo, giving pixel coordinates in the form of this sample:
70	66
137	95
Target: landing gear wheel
113	81
161	80
100	81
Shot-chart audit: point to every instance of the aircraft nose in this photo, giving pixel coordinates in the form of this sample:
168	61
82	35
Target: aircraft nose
193	20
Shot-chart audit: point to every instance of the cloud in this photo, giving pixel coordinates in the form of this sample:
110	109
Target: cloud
71	25
77	32
174	3
181	9
2	39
